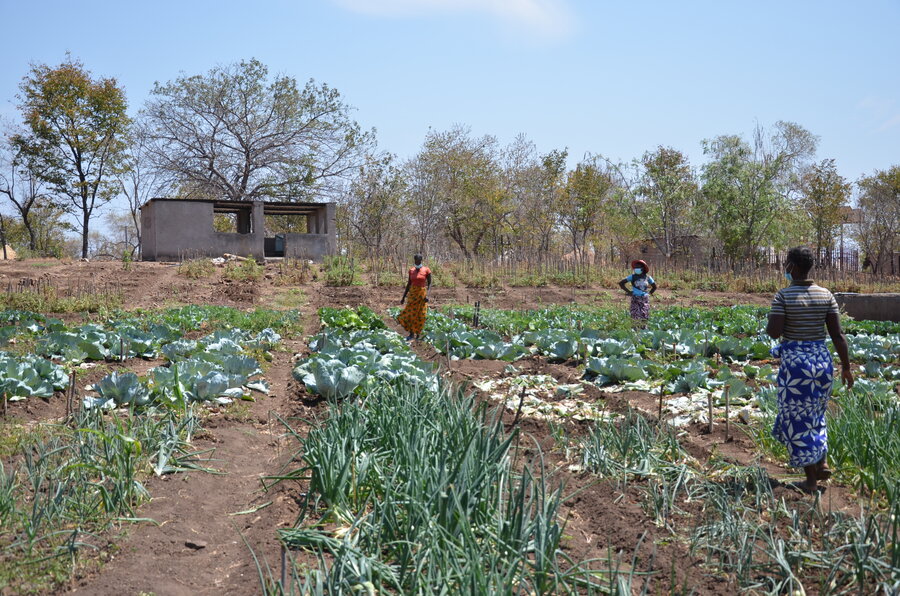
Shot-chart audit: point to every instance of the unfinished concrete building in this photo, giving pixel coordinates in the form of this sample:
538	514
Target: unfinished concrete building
178	229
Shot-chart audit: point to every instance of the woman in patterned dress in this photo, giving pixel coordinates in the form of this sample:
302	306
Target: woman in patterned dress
412	318
800	315
642	285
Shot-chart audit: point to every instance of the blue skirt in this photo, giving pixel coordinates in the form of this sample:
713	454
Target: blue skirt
804	386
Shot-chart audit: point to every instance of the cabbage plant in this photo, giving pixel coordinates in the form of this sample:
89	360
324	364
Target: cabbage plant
123	389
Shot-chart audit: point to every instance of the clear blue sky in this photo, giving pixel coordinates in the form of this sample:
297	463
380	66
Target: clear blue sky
616	78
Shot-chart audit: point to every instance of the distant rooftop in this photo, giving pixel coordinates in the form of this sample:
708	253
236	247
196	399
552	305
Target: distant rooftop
269	207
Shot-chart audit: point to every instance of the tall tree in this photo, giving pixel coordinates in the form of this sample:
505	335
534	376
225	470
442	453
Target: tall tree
823	194
465	171
375	205
77	128
667	190
233	133
747	187
21	186
878	230
424	202
588	191
139	182
532	184
553	180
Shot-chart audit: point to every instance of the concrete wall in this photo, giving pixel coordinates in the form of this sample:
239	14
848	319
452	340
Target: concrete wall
314	247
177	230
875	307
148	233
174	230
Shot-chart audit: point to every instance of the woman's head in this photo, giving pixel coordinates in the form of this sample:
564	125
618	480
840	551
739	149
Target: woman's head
640	264
799	262
417	259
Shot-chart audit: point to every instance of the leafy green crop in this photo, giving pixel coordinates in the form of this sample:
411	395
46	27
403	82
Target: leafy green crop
123	389
214	367
333	379
616	370
341	356
362	317
25	376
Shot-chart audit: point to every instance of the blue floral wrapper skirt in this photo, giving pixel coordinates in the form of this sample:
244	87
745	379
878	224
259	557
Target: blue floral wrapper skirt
804	386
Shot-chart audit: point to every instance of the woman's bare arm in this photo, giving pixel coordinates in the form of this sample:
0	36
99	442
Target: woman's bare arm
775	327
833	324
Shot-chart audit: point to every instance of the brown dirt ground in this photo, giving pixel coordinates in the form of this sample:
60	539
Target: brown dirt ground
604	519
200	508
150	285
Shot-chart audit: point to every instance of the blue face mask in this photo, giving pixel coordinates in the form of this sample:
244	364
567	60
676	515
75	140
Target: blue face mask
787	274
419	266
638	271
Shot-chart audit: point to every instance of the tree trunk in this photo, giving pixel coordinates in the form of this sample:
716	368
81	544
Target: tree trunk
3	235
32	239
84	235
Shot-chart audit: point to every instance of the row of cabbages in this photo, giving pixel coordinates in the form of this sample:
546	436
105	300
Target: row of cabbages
734	333
677	354
697	355
354	352
564	344
214	368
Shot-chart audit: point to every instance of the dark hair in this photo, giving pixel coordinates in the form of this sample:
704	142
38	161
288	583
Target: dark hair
801	258
417	256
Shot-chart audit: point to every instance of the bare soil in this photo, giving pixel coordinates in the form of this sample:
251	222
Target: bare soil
206	524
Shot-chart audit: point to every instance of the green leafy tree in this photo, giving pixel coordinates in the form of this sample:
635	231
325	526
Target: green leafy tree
666	192
48	231
748	186
464	171
588	192
374	205
76	139
234	134
878	230
824	193
533	184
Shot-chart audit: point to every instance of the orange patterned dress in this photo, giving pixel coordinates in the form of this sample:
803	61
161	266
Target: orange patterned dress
412	318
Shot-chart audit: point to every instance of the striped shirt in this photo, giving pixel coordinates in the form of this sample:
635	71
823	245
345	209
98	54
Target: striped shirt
804	306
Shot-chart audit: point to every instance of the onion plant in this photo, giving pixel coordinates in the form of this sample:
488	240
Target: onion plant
426	499
75	480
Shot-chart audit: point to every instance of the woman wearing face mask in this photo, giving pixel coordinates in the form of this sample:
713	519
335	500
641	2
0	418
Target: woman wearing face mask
642	285
800	315
412	318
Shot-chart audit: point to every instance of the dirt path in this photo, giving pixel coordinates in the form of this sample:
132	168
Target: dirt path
196	545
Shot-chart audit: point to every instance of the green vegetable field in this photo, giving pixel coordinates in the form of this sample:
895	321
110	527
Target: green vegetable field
544	451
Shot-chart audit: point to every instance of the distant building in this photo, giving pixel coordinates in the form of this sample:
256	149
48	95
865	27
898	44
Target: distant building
688	249
176	229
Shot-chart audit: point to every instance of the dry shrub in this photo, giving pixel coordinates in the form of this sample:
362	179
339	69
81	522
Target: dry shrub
196	268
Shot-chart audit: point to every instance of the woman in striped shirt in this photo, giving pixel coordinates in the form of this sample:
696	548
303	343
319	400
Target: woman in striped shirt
800	315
